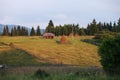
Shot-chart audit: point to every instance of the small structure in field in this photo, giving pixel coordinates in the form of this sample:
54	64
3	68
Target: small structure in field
63	39
48	35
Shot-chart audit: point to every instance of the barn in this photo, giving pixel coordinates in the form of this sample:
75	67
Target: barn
48	35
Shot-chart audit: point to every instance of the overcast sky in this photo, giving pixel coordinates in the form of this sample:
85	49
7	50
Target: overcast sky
39	12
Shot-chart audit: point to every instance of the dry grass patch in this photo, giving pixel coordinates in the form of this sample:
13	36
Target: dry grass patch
76	53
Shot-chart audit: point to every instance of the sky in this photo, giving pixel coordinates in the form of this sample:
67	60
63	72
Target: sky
38	12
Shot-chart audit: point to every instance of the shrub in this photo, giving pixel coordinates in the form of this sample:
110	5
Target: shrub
58	41
109	52
102	36
41	74
96	42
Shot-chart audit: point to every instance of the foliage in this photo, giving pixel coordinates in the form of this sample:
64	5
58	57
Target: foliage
104	34
82	31
38	32
84	74
96	42
32	33
66	29
41	74
93	28
109	51
6	31
50	27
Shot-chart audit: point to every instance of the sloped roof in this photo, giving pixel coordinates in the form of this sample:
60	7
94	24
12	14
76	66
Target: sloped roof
48	34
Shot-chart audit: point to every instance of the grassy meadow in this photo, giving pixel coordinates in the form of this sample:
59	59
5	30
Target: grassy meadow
75	52
24	56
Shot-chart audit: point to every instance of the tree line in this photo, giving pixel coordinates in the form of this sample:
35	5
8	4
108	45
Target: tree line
21	31
94	27
91	29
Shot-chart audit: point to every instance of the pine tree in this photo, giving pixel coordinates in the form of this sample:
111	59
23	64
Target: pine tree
56	30
65	32
26	32
22	31
50	27
81	31
118	25
114	27
6	31
38	33
110	26
32	33
18	31
15	30
93	28
99	25
12	32
76	30
88	30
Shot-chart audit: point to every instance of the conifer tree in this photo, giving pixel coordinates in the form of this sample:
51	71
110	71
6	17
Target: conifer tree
32	33
114	27
38	33
118	25
18	31
82	32
50	27
6	31
12	32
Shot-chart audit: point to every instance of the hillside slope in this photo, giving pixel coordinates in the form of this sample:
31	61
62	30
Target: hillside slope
13	57
48	51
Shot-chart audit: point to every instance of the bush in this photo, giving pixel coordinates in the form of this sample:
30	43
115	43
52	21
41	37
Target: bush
41	74
102	36
109	52
96	42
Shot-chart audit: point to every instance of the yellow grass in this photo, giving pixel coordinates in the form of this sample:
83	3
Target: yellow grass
47	50
4	48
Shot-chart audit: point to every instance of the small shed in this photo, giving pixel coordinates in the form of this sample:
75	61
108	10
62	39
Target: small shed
48	35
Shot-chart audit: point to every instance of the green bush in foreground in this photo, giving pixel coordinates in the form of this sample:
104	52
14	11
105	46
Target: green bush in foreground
109	51
57	77
41	74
